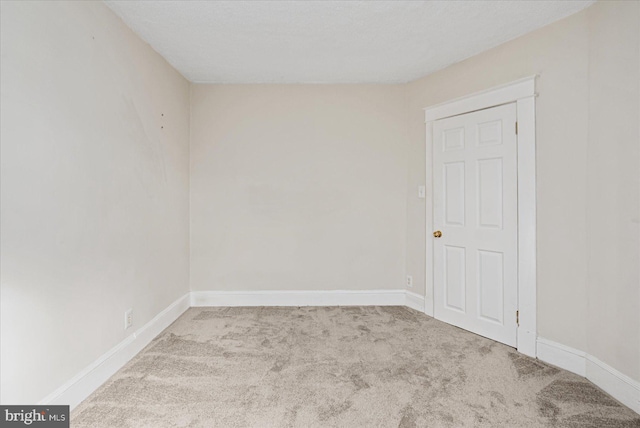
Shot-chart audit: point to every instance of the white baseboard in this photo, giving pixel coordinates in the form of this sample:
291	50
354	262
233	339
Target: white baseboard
562	356
299	298
618	385
88	380
414	301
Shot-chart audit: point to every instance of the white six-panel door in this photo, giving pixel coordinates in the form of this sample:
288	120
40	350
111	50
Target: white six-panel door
475	210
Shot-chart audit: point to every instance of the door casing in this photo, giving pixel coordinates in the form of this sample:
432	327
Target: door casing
522	92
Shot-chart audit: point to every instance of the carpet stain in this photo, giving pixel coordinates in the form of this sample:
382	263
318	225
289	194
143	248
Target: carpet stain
333	410
577	392
279	365
484	350
364	328
408	418
526	366
358	382
498	397
548	409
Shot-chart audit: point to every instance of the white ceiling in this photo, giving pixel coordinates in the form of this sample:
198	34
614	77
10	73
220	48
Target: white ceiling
329	41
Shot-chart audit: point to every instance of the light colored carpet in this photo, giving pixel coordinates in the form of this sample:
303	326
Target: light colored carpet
339	367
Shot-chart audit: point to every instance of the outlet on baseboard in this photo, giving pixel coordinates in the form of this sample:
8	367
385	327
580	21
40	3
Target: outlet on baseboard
128	319
409	281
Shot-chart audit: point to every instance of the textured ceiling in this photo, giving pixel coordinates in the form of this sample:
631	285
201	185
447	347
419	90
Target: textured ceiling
329	41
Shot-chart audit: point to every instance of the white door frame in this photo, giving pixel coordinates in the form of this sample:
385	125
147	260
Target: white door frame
522	92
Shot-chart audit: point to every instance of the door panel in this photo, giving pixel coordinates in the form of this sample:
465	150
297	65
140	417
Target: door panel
475	208
455	277
491	285
453	139
454	193
489	184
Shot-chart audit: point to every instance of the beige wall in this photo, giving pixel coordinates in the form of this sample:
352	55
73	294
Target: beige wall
588	80
298	187
613	183
94	190
301	187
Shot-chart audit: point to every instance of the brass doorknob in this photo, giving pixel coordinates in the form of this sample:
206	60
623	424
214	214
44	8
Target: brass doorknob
437	234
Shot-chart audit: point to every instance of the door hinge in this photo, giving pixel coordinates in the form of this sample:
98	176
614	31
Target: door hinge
516	128
518	318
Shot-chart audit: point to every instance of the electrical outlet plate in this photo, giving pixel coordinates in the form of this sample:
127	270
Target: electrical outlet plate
409	281
128	319
422	191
